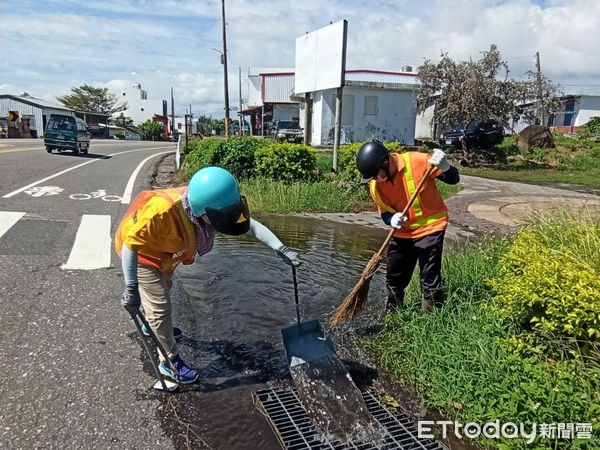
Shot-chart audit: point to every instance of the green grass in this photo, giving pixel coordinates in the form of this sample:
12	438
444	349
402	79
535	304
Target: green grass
458	361
573	161
322	196
589	178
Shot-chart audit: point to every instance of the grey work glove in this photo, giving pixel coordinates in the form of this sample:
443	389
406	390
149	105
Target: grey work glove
289	256
131	299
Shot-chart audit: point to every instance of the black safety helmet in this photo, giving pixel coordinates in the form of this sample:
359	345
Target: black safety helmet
369	159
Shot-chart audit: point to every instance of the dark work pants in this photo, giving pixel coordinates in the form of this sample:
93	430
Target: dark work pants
403	255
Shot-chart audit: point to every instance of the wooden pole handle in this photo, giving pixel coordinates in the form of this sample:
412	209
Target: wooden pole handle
406	208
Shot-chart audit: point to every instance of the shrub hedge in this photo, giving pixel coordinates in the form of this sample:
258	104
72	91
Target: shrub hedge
548	283
286	162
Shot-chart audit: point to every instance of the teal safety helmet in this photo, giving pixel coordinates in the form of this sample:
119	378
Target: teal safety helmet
215	192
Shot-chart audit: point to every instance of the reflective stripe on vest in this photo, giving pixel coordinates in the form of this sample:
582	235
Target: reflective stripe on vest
377	198
411	188
416	206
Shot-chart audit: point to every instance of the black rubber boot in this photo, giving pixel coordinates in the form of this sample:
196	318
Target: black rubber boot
435	300
395	301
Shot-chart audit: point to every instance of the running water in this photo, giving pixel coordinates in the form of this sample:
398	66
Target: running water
334	403
232	304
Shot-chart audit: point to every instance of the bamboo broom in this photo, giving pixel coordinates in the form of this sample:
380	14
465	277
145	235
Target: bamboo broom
356	300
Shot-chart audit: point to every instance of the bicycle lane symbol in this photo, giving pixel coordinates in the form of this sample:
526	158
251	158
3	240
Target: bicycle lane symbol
100	193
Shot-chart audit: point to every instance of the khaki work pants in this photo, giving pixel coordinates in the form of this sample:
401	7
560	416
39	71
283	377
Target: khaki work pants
154	288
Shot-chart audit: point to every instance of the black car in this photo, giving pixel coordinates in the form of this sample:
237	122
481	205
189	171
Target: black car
476	134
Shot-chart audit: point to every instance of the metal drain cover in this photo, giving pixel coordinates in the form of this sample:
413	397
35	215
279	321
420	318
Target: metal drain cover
295	430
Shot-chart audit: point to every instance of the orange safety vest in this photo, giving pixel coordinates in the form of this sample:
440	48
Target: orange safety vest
157	227
428	212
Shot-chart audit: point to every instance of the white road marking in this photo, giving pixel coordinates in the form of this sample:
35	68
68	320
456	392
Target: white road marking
8	219
91	249
129	188
13	193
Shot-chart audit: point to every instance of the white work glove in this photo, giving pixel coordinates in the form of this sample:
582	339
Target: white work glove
439	160
398	220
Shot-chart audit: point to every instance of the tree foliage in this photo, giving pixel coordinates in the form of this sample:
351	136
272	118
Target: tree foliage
122	120
206	124
92	99
467	90
152	131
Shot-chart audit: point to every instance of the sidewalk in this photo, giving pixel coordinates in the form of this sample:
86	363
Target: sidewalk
486	205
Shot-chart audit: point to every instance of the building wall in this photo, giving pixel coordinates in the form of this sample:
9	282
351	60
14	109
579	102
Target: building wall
40	115
384	114
139	107
254	86
589	106
424	126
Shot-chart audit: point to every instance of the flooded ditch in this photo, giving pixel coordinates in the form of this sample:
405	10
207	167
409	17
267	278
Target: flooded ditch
232	304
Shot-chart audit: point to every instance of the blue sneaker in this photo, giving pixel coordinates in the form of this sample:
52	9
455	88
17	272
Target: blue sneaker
186	374
176	332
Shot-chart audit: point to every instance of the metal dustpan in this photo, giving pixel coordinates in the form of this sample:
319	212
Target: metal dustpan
306	340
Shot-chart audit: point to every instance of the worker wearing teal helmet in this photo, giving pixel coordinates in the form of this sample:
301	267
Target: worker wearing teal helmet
215	192
164	228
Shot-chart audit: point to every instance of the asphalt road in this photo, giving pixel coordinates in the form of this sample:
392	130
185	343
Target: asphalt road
71	372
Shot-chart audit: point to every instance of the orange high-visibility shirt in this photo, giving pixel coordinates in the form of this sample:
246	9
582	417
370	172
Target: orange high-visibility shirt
158	229
428	213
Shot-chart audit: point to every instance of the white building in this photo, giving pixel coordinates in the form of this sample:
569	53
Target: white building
576	110
139	107
269	97
376	104
32	110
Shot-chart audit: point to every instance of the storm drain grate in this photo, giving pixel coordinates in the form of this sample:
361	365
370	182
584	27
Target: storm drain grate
295	430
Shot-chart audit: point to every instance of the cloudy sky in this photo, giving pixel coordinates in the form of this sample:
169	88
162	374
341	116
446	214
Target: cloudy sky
49	46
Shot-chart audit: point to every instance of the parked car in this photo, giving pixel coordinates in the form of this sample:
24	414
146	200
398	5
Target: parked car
287	130
476	134
66	133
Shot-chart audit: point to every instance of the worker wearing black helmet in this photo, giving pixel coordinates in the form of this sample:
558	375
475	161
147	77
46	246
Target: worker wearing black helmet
419	236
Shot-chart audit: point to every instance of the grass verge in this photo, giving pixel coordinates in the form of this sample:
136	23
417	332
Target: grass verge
574	160
589	178
459	360
322	196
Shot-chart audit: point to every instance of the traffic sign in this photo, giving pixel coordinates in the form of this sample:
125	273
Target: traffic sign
13	116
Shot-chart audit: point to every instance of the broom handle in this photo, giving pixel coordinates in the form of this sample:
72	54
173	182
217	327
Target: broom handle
405	210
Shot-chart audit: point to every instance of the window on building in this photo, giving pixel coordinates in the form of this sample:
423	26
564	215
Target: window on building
143	95
179	126
371	105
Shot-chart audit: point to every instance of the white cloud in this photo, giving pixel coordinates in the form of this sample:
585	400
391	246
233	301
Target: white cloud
162	44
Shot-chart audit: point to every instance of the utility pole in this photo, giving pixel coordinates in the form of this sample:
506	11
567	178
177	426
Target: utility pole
224	61
186	131
240	95
191	120
539	83
339	95
172	114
